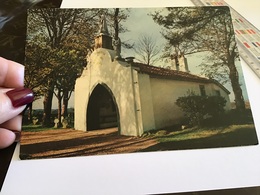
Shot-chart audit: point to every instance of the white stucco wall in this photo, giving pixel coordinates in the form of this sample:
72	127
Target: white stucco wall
143	103
118	77
166	92
146	102
164	95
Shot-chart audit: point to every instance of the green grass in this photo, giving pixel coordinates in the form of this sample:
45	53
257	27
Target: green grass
196	138
34	128
198	133
192	138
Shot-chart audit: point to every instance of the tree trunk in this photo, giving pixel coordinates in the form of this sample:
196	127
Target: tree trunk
65	103
47	105
234	78
59	97
116	26
29	117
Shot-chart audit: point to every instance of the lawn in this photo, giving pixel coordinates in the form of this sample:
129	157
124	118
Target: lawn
34	128
195	138
38	142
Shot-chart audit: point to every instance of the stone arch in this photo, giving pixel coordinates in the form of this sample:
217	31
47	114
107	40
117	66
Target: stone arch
102	109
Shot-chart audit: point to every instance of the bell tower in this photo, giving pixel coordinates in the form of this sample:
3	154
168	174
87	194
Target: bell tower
103	39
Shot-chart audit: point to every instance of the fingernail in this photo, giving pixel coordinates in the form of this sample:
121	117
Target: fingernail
17	135
20	96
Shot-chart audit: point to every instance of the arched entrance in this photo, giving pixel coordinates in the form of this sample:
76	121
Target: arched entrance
102	110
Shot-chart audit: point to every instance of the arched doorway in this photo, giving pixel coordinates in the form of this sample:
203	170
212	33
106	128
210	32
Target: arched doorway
102	110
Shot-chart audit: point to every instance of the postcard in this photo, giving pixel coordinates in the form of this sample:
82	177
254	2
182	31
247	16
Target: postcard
128	80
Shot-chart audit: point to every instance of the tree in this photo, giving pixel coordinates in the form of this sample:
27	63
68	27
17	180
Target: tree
148	49
196	107
34	62
115	18
65	79
67	35
199	29
61	31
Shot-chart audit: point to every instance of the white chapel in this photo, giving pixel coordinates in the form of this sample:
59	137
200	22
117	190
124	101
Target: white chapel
117	92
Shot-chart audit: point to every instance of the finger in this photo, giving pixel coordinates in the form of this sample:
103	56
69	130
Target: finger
11	74
7	110
6	138
13	124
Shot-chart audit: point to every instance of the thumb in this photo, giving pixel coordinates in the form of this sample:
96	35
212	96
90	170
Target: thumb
12	102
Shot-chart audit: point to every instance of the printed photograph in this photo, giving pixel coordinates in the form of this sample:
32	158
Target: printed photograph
127	80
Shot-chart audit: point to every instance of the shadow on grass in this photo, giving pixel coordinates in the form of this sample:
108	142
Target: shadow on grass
109	142
238	137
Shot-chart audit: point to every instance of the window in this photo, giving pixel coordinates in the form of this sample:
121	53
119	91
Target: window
217	92
202	90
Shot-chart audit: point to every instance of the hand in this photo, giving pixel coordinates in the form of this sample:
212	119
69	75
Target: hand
13	100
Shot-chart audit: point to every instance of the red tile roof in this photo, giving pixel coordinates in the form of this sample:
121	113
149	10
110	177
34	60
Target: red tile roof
164	73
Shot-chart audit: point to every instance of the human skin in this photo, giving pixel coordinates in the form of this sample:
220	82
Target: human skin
13	100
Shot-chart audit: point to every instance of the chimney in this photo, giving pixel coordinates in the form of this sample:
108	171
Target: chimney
183	64
179	62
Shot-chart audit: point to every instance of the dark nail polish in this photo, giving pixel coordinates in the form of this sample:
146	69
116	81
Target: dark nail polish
20	96
17	135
